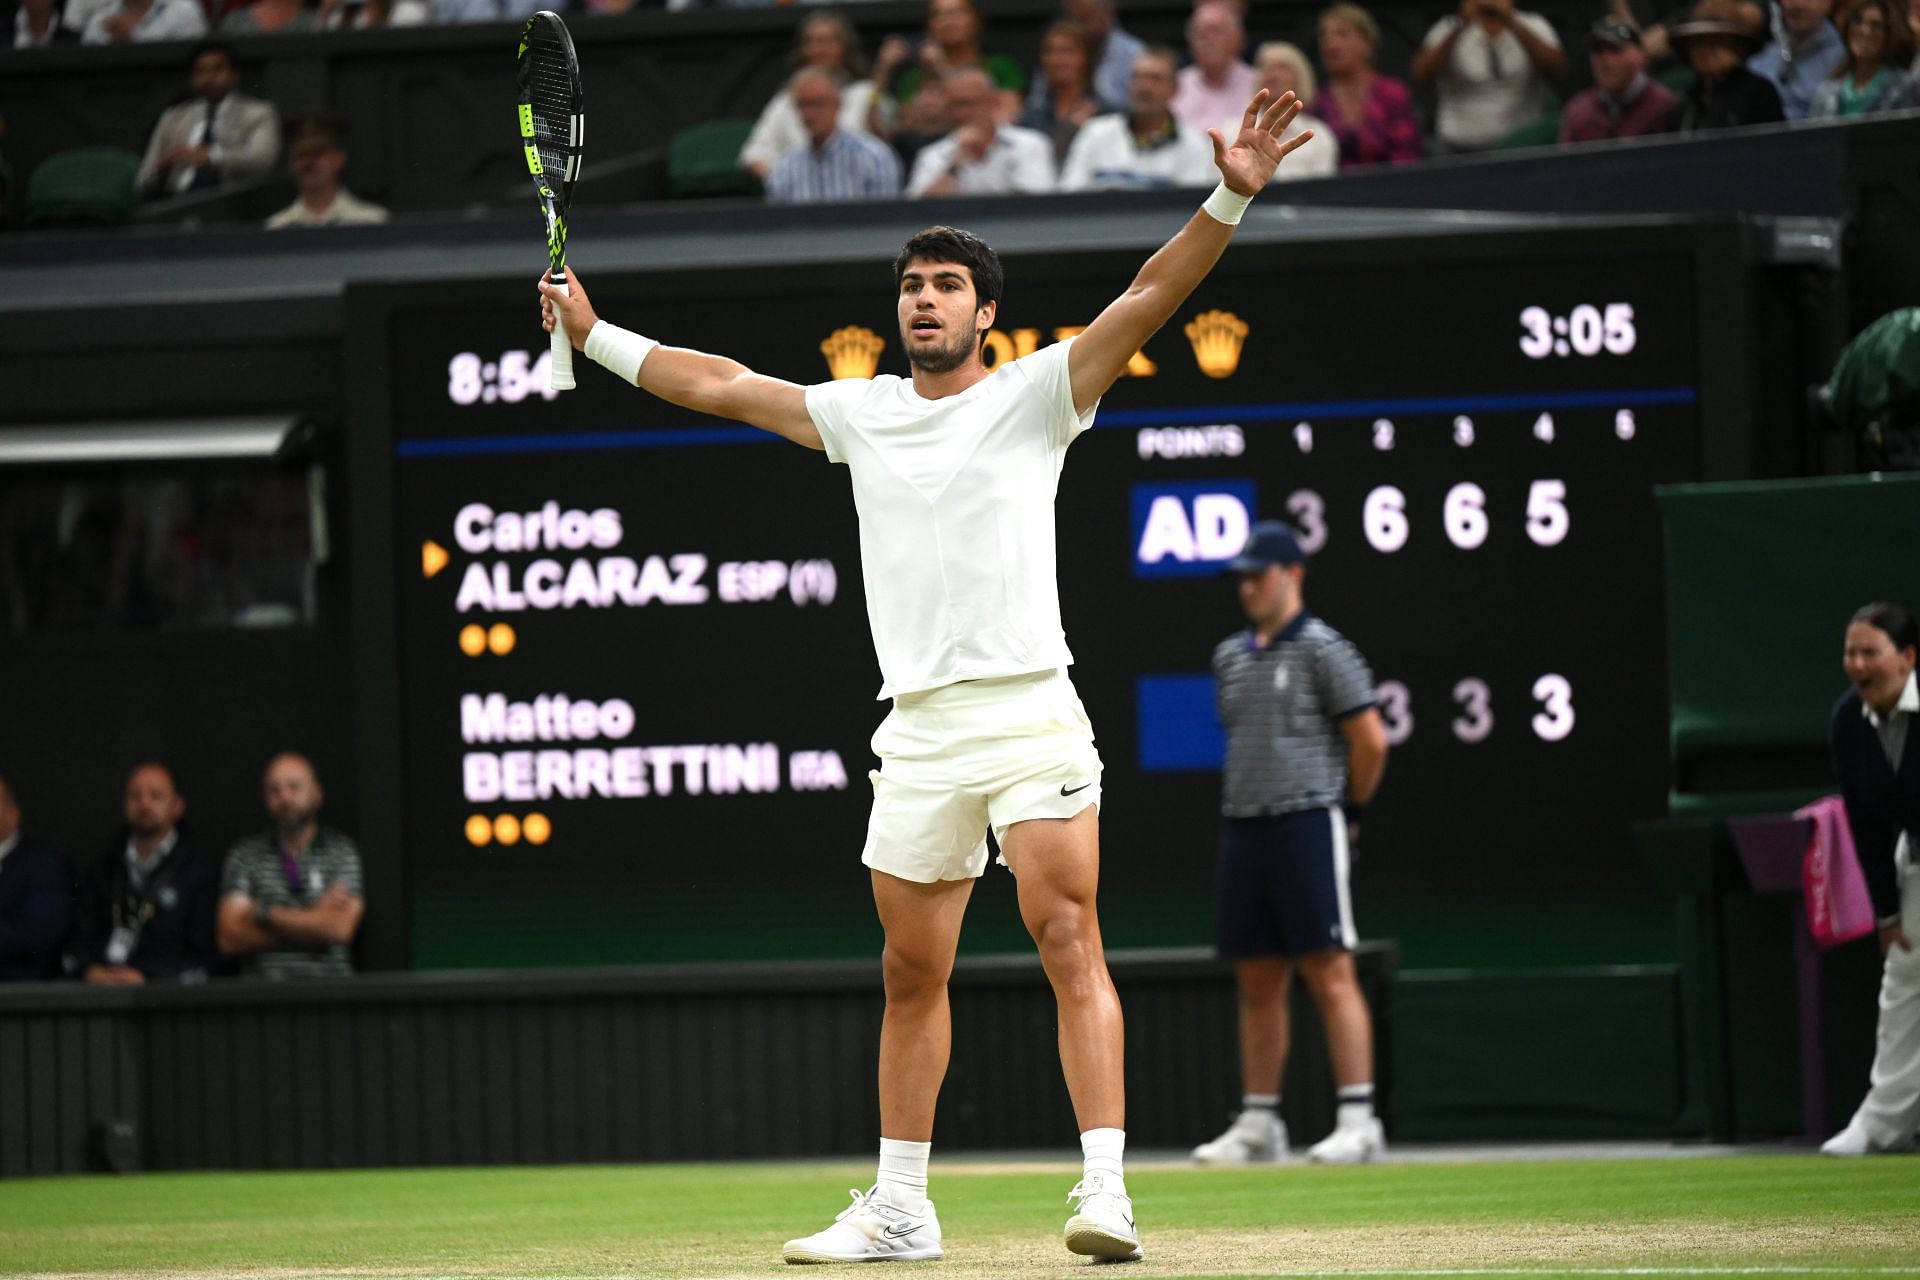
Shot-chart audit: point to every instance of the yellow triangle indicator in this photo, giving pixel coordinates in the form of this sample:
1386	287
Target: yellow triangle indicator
433	557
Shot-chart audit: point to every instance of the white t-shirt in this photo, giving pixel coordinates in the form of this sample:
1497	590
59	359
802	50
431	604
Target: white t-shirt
1489	86
956	517
1017	161
1105	156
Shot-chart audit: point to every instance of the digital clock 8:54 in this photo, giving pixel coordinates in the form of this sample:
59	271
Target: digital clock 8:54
1586	330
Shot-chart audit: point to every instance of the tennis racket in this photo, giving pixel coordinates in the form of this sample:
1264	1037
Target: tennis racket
552	127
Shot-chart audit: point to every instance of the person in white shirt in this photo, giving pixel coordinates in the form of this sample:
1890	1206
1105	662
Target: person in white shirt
1491	67
317	153
1283	68
1212	89
954	471
37	25
981	157
145	22
829	42
1144	146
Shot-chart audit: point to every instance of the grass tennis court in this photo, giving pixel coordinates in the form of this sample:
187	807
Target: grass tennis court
1774	1215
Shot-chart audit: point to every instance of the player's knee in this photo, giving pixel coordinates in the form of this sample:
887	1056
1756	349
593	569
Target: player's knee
911	972
1069	944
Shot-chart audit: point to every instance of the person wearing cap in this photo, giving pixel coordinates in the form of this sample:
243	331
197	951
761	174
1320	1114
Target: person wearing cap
1805	52
1716	40
1306	748
1624	102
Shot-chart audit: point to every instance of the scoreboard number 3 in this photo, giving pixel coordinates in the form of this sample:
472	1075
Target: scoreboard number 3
1473	702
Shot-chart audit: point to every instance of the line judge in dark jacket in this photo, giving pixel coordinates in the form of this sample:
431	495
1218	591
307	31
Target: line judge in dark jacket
145	910
1876	753
36	900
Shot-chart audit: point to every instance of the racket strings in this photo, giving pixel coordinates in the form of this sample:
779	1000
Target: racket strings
550	92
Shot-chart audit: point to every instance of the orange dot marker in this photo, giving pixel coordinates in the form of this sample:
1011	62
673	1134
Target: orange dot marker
536	828
506	829
479	830
501	639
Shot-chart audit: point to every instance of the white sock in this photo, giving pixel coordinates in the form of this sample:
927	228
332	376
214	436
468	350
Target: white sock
903	1173
1103	1149
1261	1104
1356	1105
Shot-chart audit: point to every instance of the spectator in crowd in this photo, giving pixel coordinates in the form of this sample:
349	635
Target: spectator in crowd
1913	29
1370	115
1214	91
1804	53
1283	68
1875	75
828	42
1876	754
1066	79
446	12
1716	40
146	21
36	899
364	15
290	898
952	42
1114	50
317	154
1491	67
1143	146
1624	102
145	910
268	18
218	135
37	24
981	157
832	164
923	122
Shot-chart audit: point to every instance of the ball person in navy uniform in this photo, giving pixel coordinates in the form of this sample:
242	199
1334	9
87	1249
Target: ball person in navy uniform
1305	751
1876	754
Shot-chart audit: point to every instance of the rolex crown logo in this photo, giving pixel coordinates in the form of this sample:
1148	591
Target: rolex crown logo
1217	337
853	352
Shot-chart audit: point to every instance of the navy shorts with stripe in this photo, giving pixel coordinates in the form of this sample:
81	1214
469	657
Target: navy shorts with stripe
1280	888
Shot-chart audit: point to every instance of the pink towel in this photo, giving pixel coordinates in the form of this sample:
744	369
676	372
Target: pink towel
1838	908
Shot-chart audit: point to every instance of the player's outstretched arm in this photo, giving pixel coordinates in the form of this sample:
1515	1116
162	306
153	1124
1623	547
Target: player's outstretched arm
1246	165
691	379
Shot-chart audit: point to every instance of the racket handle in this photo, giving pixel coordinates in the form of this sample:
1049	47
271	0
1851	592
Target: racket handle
560	368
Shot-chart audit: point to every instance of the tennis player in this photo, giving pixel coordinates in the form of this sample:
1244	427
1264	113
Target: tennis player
954	472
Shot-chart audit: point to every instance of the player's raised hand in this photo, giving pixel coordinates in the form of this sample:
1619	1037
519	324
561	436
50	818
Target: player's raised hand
1247	163
575	308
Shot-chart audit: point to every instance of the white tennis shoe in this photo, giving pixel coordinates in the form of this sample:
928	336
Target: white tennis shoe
1254	1137
1102	1226
1360	1143
871	1230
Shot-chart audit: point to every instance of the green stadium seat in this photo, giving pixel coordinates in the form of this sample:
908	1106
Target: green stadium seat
703	162
89	187
1542	131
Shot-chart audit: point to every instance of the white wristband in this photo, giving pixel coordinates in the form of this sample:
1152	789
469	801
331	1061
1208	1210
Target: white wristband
620	350
1226	206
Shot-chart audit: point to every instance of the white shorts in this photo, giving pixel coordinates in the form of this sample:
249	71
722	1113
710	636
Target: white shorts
956	760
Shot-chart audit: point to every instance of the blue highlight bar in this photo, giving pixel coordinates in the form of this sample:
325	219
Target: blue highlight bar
1323	409
1304	410
1178	731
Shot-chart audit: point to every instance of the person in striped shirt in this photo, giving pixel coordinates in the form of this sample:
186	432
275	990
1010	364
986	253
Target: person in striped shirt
835	164
1305	750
